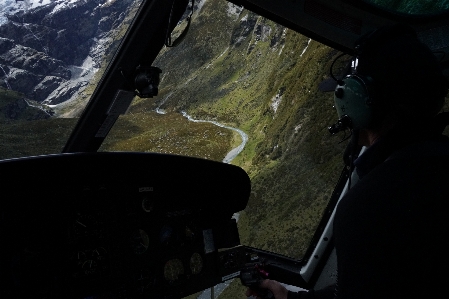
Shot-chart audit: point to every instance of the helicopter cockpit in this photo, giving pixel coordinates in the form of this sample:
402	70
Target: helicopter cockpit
155	149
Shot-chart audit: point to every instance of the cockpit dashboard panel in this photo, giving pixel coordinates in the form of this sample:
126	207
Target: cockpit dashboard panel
116	225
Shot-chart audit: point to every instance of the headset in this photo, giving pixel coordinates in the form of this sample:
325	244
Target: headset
353	101
355	95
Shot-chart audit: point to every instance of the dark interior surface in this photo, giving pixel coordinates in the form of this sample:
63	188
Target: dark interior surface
117	225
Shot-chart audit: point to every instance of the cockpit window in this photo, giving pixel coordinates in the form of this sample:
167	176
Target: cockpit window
245	90
412	7
52	55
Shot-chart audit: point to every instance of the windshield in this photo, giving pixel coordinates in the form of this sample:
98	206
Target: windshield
244	90
52	55
412	7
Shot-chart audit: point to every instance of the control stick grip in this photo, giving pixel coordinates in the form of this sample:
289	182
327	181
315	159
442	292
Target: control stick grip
252	276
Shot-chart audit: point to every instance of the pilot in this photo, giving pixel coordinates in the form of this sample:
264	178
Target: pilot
391	230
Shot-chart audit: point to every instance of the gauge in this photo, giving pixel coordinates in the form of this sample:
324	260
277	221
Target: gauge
99	253
145	280
147	205
83	225
167	235
89	267
80	255
196	263
173	269
139	241
190	235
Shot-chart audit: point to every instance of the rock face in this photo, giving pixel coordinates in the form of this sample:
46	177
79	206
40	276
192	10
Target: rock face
41	42
19	109
22	79
42	90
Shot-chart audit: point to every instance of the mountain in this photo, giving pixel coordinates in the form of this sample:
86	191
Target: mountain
51	49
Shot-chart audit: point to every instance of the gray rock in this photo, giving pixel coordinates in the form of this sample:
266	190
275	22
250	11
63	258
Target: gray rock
64	92
81	18
33	61
105	23
21	110
22	80
245	28
30	35
6	44
4	71
45	88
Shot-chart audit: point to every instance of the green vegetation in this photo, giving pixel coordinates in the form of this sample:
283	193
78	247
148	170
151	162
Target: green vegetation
25	131
170	134
39	137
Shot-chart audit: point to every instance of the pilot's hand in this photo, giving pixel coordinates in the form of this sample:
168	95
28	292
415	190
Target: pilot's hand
278	290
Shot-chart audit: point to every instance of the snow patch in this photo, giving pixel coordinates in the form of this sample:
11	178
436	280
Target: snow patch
6	78
199	5
234	10
212	63
303	51
223	52
282	48
158	109
12	6
275	102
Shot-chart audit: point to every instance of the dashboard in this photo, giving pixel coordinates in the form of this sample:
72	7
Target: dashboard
118	225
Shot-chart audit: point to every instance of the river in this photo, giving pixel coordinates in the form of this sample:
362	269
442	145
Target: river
235	151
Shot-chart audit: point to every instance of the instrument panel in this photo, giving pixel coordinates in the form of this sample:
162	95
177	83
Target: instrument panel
117	225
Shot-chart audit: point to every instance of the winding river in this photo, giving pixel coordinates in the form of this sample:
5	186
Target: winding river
235	151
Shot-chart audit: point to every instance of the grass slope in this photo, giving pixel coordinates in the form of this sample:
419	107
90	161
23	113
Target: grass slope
25	132
170	134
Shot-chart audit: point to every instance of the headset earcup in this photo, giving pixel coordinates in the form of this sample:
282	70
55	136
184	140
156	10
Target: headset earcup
353	99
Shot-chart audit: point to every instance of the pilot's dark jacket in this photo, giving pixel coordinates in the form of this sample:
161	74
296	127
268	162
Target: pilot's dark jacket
391	229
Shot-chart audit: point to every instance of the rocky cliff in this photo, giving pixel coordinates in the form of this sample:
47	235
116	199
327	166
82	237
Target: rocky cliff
50	50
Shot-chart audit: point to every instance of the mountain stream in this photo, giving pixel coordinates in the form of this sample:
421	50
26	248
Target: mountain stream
235	151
